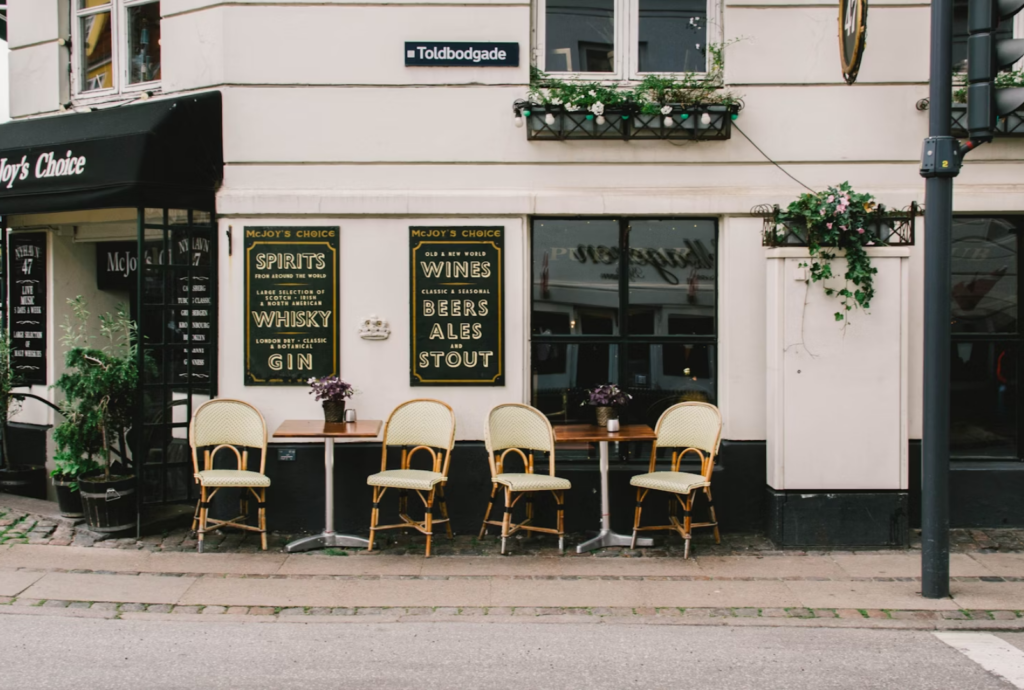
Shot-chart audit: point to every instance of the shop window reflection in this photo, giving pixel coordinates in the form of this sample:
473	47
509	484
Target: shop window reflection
983	399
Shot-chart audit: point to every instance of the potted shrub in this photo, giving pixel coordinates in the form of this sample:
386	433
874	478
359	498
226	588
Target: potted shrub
22	480
333	392
77	445
100	385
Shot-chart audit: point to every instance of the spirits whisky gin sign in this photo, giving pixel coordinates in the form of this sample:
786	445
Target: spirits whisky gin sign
457	281
291	304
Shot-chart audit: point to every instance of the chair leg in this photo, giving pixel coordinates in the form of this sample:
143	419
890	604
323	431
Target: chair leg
195	516
429	518
487	513
262	499
560	502
374	516
507	519
203	510
640	493
529	513
243	505
444	512
714	518
687	508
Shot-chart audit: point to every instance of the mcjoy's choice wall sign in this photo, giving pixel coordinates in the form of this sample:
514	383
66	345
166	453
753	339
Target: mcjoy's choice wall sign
458	332
291	304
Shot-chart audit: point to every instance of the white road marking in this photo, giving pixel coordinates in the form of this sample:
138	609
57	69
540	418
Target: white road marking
990	652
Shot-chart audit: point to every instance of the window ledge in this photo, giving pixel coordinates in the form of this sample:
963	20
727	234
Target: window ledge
702	122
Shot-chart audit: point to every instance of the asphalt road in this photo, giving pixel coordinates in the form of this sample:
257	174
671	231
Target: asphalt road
79	654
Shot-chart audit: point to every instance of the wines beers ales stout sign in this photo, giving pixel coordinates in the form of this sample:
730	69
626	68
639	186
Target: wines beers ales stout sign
291	304
458	334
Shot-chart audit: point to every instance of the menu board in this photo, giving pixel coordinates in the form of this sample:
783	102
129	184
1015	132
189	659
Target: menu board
26	287
291	304
457	309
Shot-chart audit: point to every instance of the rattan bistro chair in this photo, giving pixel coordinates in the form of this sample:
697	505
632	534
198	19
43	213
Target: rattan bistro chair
521	429
426	426
689	427
226	423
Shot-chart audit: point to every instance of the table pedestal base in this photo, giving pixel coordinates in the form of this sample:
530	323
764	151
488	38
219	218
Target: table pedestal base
608	538
326	540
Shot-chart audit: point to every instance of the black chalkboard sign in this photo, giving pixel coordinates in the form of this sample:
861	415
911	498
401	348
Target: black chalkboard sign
457	280
26	287
291	304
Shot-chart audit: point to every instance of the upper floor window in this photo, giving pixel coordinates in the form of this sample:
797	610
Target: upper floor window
117	46
623	39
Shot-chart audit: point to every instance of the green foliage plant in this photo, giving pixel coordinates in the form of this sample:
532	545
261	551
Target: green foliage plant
1003	80
100	385
648	97
837	219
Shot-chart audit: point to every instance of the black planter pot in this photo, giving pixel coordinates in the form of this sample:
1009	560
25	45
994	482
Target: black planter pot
334	411
29	481
109	506
69	502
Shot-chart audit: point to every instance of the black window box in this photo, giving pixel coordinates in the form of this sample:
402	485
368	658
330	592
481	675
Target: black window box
700	123
1010	126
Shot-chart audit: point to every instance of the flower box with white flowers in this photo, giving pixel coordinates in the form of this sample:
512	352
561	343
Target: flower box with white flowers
694	107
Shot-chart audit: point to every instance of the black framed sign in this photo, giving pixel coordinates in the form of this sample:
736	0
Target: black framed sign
26	287
449	54
853	27
291	304
457	303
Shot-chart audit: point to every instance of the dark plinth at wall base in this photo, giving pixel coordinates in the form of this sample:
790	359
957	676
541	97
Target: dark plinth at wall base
982	493
844	519
295	500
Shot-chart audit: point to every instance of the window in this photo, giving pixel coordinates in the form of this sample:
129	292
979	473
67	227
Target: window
986	337
627	301
116	46
623	39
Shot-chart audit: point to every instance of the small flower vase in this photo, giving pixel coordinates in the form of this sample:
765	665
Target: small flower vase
334	411
604	414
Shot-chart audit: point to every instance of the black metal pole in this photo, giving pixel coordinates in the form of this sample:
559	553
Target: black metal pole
938	221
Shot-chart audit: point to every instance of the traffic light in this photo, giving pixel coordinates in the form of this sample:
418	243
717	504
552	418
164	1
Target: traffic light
987	56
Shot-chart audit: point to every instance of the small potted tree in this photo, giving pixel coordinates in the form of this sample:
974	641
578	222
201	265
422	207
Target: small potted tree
22	480
100	385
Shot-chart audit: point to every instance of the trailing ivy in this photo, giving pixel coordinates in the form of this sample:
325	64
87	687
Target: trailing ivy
837	219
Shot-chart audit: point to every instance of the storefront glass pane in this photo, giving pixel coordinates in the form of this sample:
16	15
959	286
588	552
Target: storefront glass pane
662	375
575	277
144	43
984	281
983	399
673	35
563	372
672	277
96	53
580	36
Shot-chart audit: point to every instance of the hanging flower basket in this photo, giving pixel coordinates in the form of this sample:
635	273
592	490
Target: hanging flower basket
839	220
711	122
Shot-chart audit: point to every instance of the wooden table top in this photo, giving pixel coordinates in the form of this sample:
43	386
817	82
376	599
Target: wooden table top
592	432
318	428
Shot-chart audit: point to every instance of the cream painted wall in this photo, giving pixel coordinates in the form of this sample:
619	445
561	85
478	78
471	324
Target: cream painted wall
374	279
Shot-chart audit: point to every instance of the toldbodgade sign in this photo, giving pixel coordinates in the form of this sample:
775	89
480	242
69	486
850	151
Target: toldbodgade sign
291	304
457	306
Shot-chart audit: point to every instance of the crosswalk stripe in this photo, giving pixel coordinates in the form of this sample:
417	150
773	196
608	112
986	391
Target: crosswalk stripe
990	652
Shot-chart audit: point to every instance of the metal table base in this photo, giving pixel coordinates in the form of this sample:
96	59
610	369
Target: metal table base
605	537
328	537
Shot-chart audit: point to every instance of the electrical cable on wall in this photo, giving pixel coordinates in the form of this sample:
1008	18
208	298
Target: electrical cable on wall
768	158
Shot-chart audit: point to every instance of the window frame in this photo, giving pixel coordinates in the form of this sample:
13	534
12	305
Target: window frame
120	62
622	339
627	28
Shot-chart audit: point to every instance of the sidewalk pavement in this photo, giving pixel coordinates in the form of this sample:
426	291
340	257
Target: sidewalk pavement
741	584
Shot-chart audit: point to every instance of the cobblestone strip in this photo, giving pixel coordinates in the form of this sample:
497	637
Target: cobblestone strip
693	613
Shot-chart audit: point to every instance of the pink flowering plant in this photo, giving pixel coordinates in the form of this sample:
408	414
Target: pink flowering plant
330	389
607	395
837	219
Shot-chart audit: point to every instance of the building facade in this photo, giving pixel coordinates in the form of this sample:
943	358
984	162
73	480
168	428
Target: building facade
329	127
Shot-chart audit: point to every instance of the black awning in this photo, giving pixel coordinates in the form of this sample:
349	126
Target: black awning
160	154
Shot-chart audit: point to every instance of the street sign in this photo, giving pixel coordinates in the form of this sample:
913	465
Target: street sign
853	27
